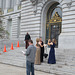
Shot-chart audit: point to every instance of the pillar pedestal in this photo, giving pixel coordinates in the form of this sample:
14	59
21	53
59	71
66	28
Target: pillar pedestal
66	41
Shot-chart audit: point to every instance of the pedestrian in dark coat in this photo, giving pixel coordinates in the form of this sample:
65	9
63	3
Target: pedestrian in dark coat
27	38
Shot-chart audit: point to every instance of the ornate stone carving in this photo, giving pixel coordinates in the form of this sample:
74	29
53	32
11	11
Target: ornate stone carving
56	18
34	2
68	3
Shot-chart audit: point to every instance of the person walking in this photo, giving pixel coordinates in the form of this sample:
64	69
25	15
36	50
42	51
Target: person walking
30	58
51	59
37	57
42	49
27	37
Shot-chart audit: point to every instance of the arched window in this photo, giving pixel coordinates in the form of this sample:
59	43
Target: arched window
53	23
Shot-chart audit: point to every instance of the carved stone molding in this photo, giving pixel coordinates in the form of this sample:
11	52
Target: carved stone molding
68	3
34	2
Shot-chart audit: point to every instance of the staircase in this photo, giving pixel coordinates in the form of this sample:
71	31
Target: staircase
65	61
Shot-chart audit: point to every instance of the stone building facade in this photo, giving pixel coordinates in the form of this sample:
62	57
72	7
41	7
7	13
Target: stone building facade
10	16
45	18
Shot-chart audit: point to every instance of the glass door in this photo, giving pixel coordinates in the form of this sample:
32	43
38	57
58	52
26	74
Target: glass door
55	32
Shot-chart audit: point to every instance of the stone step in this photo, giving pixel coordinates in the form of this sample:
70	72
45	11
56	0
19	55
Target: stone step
8	42
65	65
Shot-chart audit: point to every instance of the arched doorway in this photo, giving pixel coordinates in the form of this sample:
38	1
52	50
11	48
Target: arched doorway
53	22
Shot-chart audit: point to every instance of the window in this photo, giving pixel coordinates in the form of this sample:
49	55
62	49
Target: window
53	23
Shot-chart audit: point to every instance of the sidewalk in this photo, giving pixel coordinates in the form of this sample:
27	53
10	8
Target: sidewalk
13	70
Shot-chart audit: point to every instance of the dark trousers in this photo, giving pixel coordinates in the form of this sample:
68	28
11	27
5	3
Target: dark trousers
26	44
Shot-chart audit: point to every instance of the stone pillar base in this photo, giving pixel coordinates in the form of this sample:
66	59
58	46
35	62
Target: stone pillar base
66	41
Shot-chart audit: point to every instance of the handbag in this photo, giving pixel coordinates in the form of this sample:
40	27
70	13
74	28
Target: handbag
45	55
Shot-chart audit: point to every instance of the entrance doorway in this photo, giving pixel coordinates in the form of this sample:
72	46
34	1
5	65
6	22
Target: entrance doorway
53	22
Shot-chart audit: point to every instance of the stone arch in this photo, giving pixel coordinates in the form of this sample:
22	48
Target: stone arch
44	10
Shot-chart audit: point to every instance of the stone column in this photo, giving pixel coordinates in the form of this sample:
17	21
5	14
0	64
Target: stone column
7	4
67	36
12	4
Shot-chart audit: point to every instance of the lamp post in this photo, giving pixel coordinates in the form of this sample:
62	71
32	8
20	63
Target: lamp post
68	3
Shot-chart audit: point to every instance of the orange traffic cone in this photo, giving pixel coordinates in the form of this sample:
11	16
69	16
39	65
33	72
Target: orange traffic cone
4	48
18	44
12	47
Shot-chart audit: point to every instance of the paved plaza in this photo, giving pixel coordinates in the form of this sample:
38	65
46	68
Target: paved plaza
65	63
13	70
